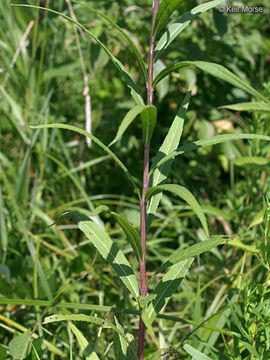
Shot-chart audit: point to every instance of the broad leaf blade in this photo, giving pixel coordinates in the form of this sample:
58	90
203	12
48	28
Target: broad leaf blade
214	140
166	288
95	140
175	29
83	343
19	346
149	119
109	250
165	11
184	194
249	106
170	143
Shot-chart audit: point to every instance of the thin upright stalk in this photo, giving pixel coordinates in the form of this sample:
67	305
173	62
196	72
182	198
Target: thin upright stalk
143	202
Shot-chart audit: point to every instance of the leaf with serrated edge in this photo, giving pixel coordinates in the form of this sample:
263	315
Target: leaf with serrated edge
184	194
95	140
166	288
219	139
175	29
169	144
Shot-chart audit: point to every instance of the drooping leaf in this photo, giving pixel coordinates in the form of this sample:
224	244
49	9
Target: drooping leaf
148	116
166	288
218	139
224	74
95	140
164	13
83	343
249	106
109	250
132	235
134	90
170	143
258	219
123	33
196	354
149	119
191	251
19	346
175	29
184	194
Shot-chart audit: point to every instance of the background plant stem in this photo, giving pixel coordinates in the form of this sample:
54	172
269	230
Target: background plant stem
143	203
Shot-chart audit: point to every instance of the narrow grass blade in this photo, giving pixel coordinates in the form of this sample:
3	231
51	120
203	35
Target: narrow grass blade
165	11
175	29
108	249
249	106
23	179
184	194
251	160
171	142
166	288
195	353
83	343
95	140
3	230
134	90
124	35
191	251
219	139
131	115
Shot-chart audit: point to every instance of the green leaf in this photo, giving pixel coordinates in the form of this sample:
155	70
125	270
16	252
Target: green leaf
149	119
166	288
146	111
184	194
95	140
197	355
109	250
88	354
164	13
191	251
134	91
170	143
224	74
175	29
124	35
124	349
253	160
163	87
3	229
258	219
132	234
19	346
249	106
218	139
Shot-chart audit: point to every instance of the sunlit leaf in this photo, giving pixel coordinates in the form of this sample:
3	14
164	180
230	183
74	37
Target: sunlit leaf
249	106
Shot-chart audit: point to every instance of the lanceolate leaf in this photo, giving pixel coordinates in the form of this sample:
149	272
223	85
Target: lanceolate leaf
95	140
249	106
219	139
224	74
122	32
184	194
148	116
175	29
134	91
165	11
191	251
166	288
149	119
88	354
195	353
109	250
170	143
132	234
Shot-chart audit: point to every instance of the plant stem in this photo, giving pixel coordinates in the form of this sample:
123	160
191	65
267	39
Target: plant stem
143	202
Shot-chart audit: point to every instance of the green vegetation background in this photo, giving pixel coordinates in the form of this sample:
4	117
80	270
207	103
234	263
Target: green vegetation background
53	171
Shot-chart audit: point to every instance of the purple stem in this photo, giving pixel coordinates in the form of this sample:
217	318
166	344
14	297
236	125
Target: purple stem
143	202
